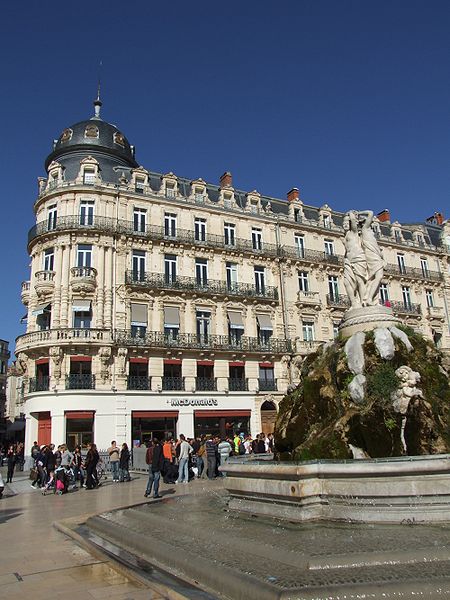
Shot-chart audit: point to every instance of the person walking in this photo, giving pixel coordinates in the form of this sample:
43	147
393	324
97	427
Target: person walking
225	450
11	462
155	459
92	458
124	464
77	465
211	449
114	459
183	460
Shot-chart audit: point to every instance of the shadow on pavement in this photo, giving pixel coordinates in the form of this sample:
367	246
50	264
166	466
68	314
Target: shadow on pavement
6	515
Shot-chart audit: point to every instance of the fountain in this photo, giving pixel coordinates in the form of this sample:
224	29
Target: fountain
370	417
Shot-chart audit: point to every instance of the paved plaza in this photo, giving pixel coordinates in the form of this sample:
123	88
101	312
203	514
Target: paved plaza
39	562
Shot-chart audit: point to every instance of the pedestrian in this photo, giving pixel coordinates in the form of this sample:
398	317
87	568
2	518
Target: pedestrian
92	458
66	456
114	459
211	449
201	458
124	464
225	450
183	460
77	465
155	459
11	462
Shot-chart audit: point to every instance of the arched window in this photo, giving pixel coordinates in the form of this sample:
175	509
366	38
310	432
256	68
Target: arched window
91	131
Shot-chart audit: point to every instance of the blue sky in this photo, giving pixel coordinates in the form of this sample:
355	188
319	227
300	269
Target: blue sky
347	100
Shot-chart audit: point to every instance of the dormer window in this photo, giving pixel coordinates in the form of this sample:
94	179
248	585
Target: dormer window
140	184
254	206
198	195
66	135
89	176
297	215
397	235
420	239
119	139
170	190
91	131
327	221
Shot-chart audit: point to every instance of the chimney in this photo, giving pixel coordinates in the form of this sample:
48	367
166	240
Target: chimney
436	219
293	194
226	180
384	216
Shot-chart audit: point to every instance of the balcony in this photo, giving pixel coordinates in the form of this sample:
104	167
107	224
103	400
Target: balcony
72	336
44	282
25	293
192	341
211	287
436	312
83	280
267	385
338	301
80	382
308	346
73	223
173	384
39	384
236	384
206	384
412	273
309	299
139	382
405	308
310	256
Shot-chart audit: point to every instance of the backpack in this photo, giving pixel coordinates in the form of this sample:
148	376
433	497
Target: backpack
241	448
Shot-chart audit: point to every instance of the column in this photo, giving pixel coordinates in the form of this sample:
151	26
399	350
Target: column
108	306
56	305
65	282
99	310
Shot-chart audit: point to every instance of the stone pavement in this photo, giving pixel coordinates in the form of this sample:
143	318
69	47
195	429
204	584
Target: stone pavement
39	562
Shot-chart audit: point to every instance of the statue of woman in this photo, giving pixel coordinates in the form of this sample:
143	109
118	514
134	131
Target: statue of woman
374	258
355	264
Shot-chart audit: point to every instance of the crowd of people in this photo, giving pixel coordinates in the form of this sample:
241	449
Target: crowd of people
60	469
176	461
180	461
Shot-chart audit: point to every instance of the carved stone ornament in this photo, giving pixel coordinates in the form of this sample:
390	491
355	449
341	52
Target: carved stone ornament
56	354
285	370
22	364
104	354
296	366
122	354
407	390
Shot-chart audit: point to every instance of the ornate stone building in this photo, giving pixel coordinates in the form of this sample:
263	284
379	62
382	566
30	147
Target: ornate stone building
159	305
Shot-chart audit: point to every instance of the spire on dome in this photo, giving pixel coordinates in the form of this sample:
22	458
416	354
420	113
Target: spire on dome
97	102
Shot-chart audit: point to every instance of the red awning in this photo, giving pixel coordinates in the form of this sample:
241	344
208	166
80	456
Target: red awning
155	414
236	364
205	363
41	361
80	414
172	361
143	361
266	364
222	413
81	359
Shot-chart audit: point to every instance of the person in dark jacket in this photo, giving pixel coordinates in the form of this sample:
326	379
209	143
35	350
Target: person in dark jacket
49	463
91	461
11	462
77	465
155	460
124	464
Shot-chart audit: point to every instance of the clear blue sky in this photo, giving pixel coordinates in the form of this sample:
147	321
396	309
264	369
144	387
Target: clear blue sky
347	100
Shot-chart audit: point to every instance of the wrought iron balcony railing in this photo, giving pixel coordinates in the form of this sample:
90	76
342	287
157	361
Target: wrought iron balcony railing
80	381
211	286
267	385
338	300
73	222
237	384
39	384
407	308
173	383
413	273
139	382
307	255
155	339
206	384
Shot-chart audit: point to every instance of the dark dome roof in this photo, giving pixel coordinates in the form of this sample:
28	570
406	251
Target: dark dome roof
93	136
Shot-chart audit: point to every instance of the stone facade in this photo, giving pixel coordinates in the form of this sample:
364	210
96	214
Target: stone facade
158	304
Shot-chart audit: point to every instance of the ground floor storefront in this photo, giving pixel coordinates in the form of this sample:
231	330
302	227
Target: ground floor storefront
136	418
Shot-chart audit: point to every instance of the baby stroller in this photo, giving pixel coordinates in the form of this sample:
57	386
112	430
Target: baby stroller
62	480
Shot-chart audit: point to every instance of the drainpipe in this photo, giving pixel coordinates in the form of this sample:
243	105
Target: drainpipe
282	286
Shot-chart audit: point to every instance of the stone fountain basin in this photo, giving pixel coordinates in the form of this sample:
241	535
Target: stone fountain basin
412	489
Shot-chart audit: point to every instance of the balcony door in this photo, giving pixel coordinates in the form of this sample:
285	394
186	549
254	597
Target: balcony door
170	268
138	265
203	325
